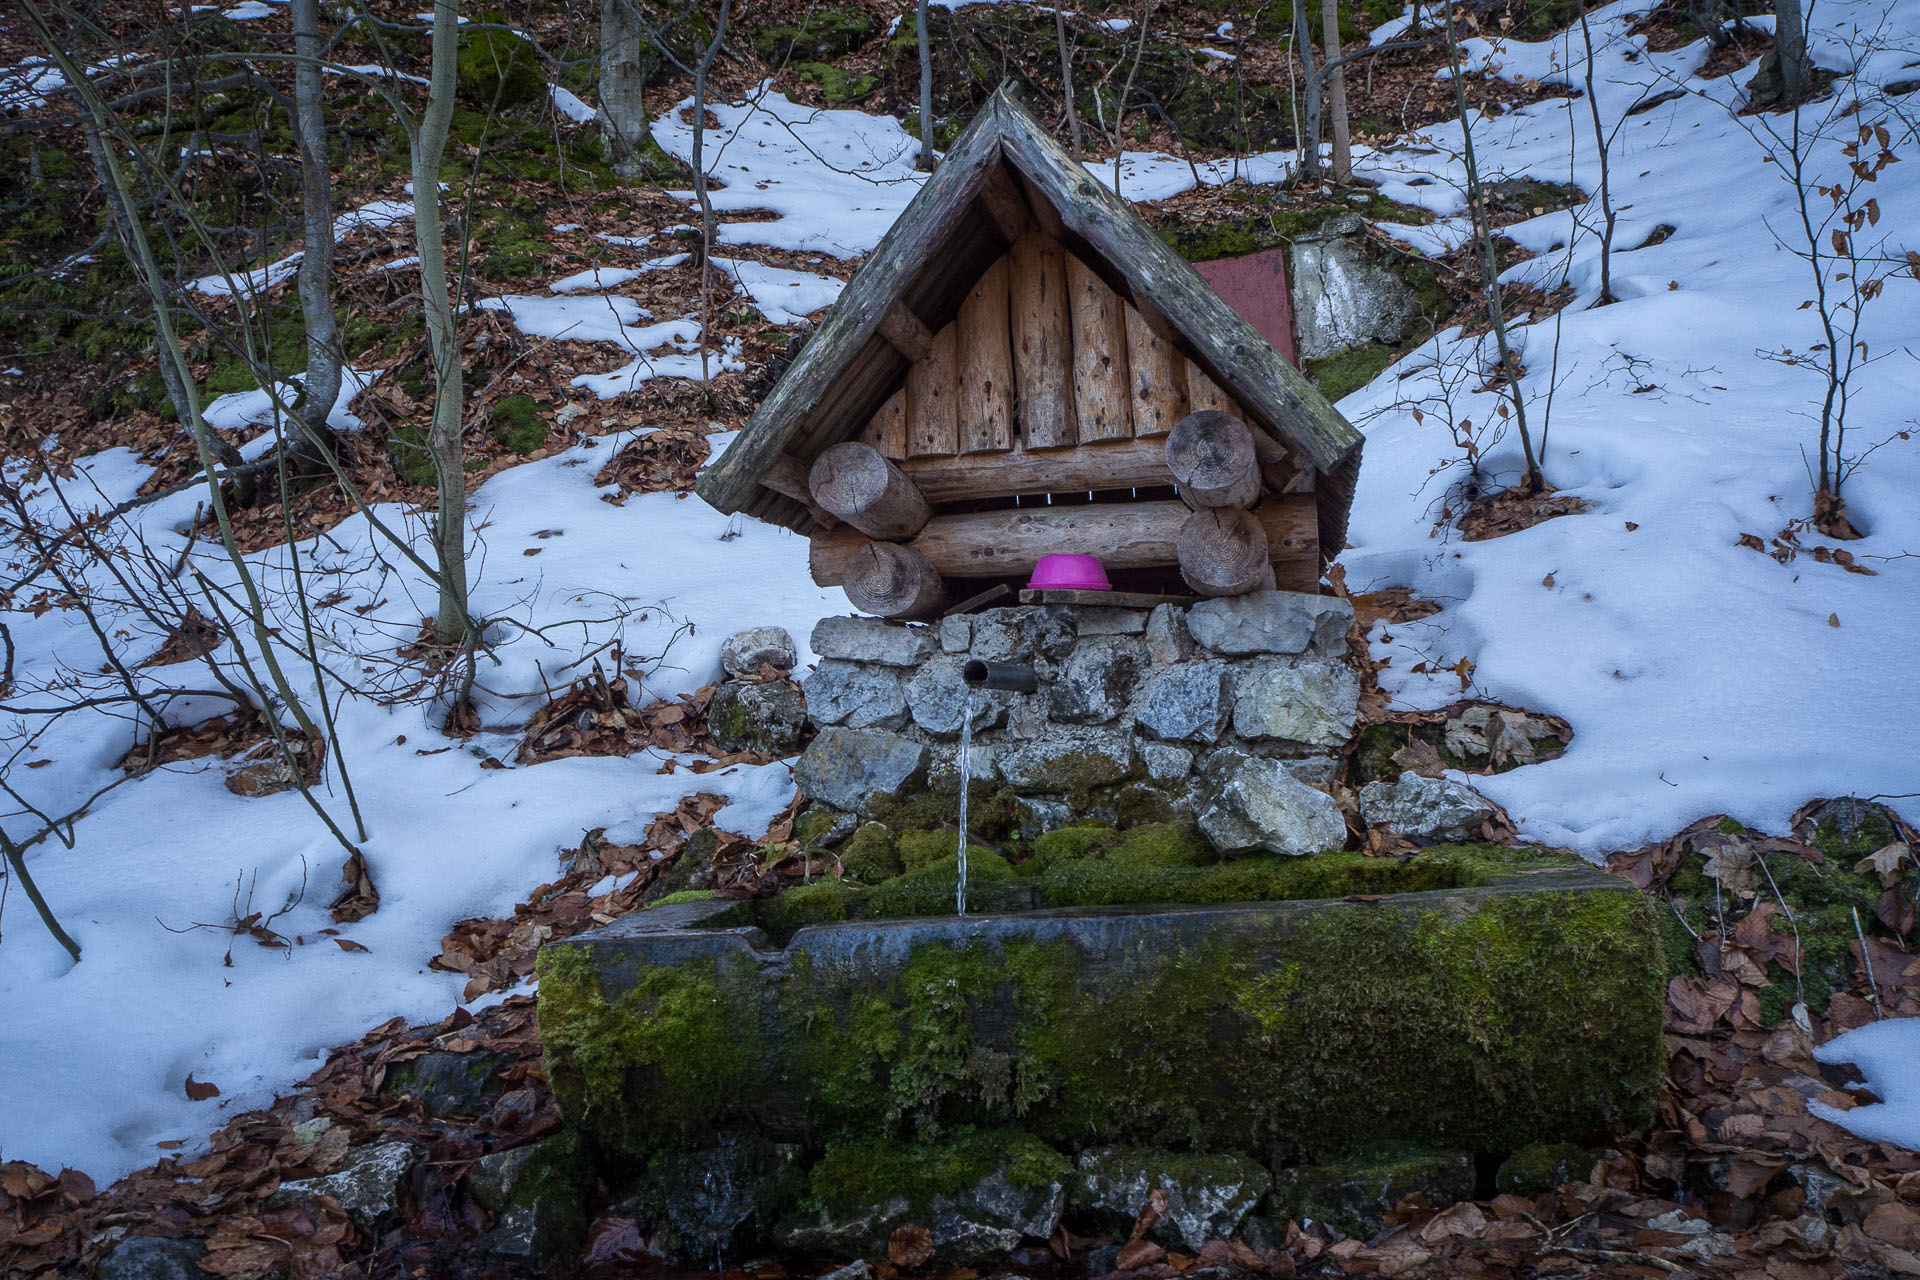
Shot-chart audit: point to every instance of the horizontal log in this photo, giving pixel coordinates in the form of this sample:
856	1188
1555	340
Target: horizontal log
893	581
1134	535
1118	464
856	483
787	476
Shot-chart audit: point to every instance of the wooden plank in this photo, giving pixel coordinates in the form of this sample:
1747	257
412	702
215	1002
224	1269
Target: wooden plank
1115	464
1135	535
887	432
986	365
1042	343
1277	396
933	218
1004	206
904	330
932	424
1159	381
1107	599
1101	395
972	604
1204	393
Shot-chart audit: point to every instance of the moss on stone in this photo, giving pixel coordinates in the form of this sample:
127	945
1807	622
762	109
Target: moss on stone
412	461
687	1032
686	895
825	36
822	902
1163	844
1541	1167
1355	1194
515	424
1341	375
853	1175
993	810
1082	840
814	828
870	856
838	85
921	849
931	889
497	69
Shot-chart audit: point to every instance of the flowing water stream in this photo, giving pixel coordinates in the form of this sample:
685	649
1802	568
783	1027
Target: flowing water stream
967	713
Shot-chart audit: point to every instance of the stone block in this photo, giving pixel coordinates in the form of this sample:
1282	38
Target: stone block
1356	1195
744	652
857	695
1093	685
937	699
1166	762
1208	1197
765	717
1256	805
1027	633
846	768
1066	764
1309	704
1099	620
1185	702
1275	622
893	644
370	1188
1168	640
956	633
1425	810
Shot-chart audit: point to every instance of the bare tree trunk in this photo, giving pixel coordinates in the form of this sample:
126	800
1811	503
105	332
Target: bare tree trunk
1790	42
451	625
1336	91
1489	265
707	229
623	112
926	86
1600	146
1705	14
1310	75
316	208
1066	82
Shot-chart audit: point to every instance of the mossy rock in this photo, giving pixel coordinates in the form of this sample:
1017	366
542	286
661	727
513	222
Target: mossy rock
838	85
823	37
852	1175
497	69
1341	375
412	461
516	426
706	1203
822	902
922	849
870	855
1355	1195
1541	1167
685	895
994	811
822	826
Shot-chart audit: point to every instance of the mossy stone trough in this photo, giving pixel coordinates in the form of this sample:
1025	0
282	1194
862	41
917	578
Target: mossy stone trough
1521	1005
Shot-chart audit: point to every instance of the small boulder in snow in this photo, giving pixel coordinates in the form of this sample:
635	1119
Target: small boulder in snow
1425	810
744	652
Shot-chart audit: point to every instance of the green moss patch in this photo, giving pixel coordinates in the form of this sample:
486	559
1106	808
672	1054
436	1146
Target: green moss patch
516	426
852	1175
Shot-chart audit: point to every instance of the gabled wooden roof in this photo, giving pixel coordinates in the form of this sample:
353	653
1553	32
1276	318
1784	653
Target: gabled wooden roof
962	220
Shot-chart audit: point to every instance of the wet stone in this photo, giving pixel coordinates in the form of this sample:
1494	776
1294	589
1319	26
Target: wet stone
857	695
937	699
872	640
745	652
1185	702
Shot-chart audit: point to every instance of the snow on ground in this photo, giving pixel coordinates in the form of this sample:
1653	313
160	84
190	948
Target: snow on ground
1888	1056
449	839
1699	676
378	215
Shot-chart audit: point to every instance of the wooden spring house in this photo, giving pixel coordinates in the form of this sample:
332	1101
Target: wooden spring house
1022	367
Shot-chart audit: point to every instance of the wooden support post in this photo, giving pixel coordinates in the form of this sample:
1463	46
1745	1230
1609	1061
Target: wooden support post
932	424
1211	456
1042	343
905	331
986	365
1131	535
1102	395
857	484
893	581
1159	381
1223	552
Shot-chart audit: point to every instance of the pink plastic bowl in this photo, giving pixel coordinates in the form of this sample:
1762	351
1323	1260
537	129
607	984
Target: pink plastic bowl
1069	573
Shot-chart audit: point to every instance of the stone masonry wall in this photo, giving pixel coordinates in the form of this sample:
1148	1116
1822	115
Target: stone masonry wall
1232	712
